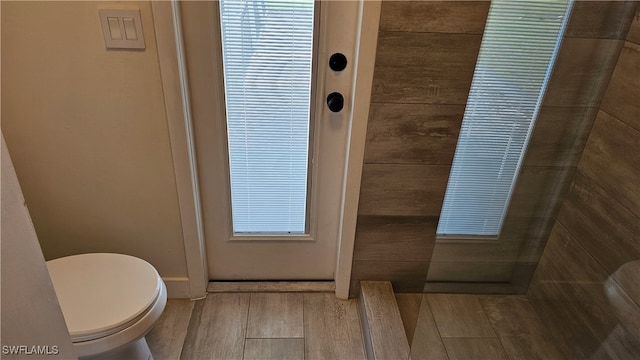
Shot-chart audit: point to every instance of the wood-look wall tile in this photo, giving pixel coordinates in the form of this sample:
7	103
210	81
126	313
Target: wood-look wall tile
539	191
600	19
458	271
275	315
581	73
634	30
566	260
411	85
332	328
403	190
395	238
274	349
467	348
465	17
166	338
559	136
454	55
459	316
218	327
622	99
611	159
412	133
606	229
405	276
428	343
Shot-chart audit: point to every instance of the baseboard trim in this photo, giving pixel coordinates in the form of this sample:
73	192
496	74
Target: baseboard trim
177	287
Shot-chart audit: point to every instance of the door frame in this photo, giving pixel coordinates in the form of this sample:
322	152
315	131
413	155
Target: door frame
177	102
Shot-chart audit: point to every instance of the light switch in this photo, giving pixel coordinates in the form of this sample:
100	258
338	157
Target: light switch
122	29
114	28
130	28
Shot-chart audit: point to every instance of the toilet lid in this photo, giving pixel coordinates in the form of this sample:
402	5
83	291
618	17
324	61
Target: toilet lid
101	294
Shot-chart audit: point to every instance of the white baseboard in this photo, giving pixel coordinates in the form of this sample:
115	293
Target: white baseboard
177	287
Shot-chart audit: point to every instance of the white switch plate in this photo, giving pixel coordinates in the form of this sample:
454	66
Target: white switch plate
122	29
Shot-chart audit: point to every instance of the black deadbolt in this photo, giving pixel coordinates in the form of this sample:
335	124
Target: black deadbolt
337	62
335	101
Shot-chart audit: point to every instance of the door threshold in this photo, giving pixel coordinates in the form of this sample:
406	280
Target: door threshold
271	286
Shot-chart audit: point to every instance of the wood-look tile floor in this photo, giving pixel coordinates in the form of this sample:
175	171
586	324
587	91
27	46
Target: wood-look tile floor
278	326
452	326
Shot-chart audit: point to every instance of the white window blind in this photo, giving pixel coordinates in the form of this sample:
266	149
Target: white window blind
267	54
517	53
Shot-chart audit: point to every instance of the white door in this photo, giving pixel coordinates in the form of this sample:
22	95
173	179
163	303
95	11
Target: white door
258	225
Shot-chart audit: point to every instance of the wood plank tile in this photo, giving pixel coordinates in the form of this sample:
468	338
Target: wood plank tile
274	349
459	316
583	68
410	85
406	276
412	133
167	336
403	190
539	191
531	347
634	29
512	315
332	328
381	321
622	99
218	327
394	238
474	348
606	229
427	344
565	259
559	136
452	55
466	17
275	315
614	142
409	306
459	271
600	19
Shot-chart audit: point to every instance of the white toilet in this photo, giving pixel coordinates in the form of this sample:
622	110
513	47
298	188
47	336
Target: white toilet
109	302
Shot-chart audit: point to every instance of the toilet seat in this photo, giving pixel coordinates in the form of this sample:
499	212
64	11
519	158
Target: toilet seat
103	294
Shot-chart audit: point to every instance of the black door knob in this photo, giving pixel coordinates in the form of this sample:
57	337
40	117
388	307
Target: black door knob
335	101
338	62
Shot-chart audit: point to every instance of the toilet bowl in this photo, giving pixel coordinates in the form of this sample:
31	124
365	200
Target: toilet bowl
109	302
623	293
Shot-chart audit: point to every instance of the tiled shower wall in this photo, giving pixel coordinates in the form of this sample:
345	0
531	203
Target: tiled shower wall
425	60
424	65
598	227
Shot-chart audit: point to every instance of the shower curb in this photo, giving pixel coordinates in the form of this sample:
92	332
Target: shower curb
382	327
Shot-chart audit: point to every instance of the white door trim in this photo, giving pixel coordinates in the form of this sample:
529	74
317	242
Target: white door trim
174	80
166	20
360	102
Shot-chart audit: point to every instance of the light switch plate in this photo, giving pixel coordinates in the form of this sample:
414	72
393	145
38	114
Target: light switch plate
122	29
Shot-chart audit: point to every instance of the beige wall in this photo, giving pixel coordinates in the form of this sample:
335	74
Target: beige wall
31	315
88	134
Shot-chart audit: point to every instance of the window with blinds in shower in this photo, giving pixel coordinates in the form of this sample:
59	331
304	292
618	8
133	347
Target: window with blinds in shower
517	54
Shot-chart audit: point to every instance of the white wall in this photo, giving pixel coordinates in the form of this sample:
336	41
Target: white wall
88	134
31	315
